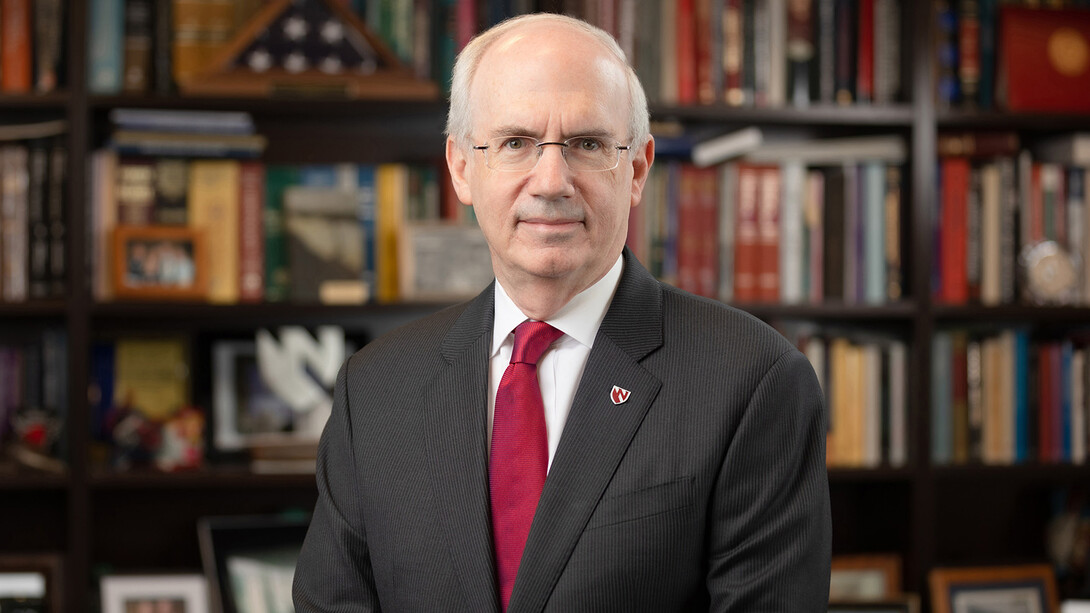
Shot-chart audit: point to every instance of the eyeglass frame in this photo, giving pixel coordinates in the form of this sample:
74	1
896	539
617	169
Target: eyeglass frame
540	151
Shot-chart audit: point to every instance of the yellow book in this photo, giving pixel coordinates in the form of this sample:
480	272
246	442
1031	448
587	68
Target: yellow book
213	208
151	376
839	398
391	190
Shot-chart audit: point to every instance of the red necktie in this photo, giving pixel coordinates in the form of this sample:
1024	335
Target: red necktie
520	451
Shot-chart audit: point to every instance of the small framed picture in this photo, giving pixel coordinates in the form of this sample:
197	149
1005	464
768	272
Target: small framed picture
155	594
159	262
867	577
1025	589
30	582
905	603
249	560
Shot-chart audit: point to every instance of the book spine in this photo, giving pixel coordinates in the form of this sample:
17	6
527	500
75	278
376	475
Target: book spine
969	50
844	76
793	239
48	36
214	210
277	273
835	254
13	223
887	51
864	78
826	38
874	223
953	236
685	39
800	51
949	90
106	35
746	250
136	45
732	52
893	257
37	222
58	225
768	236
163	47
988	51
251	281
15	46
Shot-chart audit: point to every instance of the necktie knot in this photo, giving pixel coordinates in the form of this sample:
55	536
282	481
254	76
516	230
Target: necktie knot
532	338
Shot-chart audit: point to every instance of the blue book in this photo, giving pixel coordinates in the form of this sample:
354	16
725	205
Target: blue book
106	36
874	234
102	387
1021	396
942	435
366	187
318	175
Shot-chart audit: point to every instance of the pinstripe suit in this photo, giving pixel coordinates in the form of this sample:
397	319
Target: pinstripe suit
706	490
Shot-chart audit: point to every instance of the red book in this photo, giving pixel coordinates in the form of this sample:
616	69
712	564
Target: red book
15	46
708	279
768	232
969	50
251	226
953	234
686	52
688	230
1044	59
746	256
732	53
864	77
702	37
466	18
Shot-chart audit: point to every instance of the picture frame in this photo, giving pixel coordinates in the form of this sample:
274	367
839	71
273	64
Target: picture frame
442	262
175	593
866	577
249	560
905	603
1030	588
159	263
31	581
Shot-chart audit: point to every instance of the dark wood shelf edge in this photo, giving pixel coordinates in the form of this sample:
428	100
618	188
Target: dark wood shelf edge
28	481
843	475
57	100
1030	472
33	308
999	120
896	115
210	478
899	311
288	106
1014	312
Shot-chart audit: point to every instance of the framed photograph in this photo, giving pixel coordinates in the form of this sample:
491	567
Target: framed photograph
30	583
905	603
159	262
250	560
442	261
996	589
154	594
867	577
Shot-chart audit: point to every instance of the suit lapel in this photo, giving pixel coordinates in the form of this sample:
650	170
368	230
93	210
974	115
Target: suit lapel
456	406
596	435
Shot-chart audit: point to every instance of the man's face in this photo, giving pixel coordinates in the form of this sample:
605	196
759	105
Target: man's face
550	83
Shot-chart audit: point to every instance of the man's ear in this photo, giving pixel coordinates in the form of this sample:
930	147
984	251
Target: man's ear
456	164
641	167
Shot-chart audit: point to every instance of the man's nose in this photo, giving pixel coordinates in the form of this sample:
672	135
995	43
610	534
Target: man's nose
551	177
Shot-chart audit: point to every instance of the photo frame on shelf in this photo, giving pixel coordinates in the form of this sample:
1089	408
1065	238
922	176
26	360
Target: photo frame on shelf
442	261
905	603
249	560
181	593
1030	588
30	582
159	263
867	577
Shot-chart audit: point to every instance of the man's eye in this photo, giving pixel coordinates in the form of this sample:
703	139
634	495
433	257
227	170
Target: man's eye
514	144
586	143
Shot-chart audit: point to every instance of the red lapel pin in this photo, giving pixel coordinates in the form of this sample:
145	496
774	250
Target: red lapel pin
619	395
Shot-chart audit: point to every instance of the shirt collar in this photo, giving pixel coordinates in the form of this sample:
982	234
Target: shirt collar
579	319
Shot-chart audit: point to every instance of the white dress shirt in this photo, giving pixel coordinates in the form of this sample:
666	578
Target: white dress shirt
561	367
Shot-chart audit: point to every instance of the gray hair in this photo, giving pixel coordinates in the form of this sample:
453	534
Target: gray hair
458	119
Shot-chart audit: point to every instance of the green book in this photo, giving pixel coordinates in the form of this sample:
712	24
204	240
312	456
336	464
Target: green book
277	273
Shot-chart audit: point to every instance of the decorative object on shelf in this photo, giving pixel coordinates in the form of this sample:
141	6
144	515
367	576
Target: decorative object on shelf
249	560
442	261
1045	59
159	263
272	396
183	593
181	445
870	578
30	582
1030	588
308	48
36	432
1050	274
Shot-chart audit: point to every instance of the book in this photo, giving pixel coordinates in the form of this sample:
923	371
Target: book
38	275
136	47
1039	62
1072	149
277	271
201	122
151	375
815	152
14	184
16	57
48	47
214	209
251	241
105	59
722	148
391	189
325	245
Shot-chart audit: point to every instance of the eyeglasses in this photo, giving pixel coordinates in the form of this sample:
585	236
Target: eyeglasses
521	153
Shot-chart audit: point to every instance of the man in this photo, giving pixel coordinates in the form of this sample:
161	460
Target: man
683	441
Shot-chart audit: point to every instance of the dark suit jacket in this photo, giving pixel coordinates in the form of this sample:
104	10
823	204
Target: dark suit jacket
706	490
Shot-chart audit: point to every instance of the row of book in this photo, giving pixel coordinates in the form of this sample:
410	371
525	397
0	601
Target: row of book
864	379
33	172
31	46
767	228
33	398
303	233
999	207
997	54
769	53
1005	397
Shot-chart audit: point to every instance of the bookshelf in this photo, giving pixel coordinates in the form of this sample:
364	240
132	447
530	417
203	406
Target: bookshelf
101	520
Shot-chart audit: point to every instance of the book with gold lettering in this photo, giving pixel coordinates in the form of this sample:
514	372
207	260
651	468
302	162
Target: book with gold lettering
1045	59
